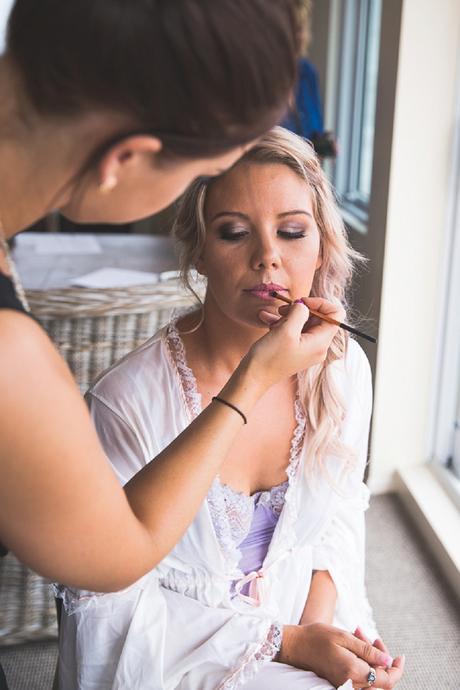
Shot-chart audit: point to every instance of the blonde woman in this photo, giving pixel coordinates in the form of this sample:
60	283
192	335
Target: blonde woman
266	587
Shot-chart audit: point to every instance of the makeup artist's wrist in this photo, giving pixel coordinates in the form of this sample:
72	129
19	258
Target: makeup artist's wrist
245	387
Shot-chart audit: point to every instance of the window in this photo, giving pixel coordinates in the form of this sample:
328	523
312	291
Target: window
5	7
455	458
356	76
446	431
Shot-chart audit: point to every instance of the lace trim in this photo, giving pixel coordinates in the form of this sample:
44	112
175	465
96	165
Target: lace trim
231	511
239	509
224	527
251	664
298	439
186	376
274	498
271	645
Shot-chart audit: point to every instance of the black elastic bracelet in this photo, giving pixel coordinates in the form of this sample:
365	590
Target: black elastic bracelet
234	407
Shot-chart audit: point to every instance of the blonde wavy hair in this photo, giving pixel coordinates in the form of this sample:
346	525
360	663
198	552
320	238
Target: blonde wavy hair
322	403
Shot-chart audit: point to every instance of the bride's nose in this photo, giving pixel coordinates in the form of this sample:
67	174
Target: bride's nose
265	255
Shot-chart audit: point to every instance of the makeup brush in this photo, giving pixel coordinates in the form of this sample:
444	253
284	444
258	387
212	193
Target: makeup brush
345	326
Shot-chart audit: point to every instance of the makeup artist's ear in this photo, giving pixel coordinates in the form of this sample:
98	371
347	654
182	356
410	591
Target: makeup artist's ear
126	156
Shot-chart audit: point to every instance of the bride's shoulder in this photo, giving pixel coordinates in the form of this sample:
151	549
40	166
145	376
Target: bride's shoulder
353	371
355	359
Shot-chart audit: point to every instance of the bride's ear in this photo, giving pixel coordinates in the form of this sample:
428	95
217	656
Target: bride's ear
200	267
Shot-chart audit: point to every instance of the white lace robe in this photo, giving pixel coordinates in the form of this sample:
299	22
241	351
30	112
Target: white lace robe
181	627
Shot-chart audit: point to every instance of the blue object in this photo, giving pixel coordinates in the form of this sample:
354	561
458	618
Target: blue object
307	118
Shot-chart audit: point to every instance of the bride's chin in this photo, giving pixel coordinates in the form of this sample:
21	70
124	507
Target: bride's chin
267	318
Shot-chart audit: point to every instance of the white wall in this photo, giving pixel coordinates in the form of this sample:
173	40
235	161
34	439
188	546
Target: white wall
428	82
5	7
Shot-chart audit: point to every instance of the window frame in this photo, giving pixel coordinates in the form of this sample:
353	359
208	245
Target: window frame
445	431
352	24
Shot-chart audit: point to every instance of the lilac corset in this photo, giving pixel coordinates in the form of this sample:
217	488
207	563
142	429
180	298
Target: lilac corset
255	546
264	509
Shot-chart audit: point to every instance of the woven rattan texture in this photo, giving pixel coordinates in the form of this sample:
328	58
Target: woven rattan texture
90	345
27	609
94	328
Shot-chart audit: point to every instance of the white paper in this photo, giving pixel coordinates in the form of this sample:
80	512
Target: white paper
60	243
114	278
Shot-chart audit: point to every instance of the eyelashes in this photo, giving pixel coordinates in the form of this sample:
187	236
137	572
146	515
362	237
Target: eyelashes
234	234
292	235
230	233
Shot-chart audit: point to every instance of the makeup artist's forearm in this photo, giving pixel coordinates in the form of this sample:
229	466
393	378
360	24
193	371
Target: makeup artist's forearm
167	493
321	601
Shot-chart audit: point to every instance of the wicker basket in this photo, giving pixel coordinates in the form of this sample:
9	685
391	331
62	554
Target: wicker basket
92	329
27	608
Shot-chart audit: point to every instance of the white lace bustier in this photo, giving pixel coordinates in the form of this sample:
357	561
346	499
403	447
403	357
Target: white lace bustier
239	508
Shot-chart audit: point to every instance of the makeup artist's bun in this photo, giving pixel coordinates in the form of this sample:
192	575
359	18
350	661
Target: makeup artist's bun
204	75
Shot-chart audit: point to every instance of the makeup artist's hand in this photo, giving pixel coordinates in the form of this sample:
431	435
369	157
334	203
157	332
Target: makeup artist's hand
338	656
295	341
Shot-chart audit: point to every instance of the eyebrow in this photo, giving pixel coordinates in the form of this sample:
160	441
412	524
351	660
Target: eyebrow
238	214
230	213
295	212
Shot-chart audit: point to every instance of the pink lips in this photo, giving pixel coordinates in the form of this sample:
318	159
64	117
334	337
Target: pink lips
263	290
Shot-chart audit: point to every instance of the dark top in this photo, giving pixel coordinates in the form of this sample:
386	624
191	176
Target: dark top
8	300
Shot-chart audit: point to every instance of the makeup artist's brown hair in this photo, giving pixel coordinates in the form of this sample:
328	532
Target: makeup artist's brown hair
321	400
204	76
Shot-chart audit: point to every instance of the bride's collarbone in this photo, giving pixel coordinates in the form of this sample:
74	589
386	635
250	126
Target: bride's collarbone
260	454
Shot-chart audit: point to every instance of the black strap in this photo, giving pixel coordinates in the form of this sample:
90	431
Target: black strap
232	406
8	297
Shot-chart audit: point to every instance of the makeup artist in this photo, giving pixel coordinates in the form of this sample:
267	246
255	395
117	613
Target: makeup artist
108	110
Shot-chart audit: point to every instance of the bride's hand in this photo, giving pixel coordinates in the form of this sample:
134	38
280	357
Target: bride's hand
338	656
295	341
379	644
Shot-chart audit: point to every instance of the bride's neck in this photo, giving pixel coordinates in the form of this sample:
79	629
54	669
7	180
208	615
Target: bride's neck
220	343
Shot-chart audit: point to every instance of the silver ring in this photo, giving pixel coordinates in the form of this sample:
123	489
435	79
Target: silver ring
371	677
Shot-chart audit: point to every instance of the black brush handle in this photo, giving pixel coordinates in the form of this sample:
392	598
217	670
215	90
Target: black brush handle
355	331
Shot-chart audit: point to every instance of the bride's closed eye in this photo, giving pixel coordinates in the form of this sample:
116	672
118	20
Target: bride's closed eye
292	233
231	232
